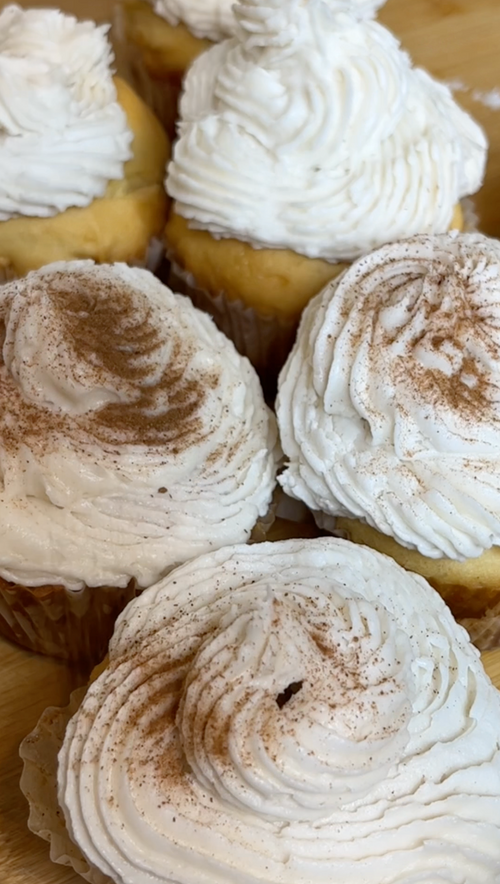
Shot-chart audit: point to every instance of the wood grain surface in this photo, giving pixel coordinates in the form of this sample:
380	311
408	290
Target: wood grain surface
455	40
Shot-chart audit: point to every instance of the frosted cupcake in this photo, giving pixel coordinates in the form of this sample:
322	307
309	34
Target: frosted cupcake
159	40
389	412
306	141
291	712
132	438
81	156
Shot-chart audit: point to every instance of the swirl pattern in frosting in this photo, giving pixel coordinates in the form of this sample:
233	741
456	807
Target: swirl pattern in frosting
311	131
133	436
289	713
63	135
389	404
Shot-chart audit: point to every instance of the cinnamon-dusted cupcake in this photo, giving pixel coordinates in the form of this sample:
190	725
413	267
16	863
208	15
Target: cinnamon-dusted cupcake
81	156
282	713
132	437
389	413
306	141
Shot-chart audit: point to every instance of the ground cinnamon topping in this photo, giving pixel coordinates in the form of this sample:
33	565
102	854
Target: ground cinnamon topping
116	343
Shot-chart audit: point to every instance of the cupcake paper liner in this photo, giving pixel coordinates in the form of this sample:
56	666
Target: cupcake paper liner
39	751
52	620
160	92
265	340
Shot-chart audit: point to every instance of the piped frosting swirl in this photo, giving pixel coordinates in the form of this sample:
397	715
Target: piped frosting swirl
63	135
311	131
389	404
291	712
215	20
132	434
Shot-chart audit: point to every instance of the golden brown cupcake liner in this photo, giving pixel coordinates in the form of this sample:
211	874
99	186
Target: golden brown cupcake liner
39	752
58	622
160	91
265	340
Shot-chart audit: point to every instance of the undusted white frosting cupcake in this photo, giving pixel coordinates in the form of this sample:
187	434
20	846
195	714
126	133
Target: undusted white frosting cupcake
133	436
215	19
389	404
287	713
63	135
311	131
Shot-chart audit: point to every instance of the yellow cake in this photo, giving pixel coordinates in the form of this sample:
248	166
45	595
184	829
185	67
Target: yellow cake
276	193
116	227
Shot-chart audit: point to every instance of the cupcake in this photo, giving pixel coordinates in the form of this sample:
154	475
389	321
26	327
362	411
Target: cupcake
389	413
290	712
81	156
305	142
159	40
132	437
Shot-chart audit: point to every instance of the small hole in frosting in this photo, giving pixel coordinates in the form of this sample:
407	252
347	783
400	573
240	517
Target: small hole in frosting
286	695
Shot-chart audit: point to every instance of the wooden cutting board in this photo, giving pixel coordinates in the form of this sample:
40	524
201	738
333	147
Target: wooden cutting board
455	40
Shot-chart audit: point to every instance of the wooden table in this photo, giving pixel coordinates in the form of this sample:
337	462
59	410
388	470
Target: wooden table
455	40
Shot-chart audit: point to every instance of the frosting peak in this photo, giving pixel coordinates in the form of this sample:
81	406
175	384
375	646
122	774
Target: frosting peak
287	713
321	118
397	368
63	135
215	19
206	19
132	433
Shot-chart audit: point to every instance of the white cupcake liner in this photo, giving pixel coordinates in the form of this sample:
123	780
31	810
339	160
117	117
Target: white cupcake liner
39	752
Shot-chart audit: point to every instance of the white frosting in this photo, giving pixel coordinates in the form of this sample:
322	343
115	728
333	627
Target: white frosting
215	20
210	19
312	131
63	135
133	436
389	404
181	765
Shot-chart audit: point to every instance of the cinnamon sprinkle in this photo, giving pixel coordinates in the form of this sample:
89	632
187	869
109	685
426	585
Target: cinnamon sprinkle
116	343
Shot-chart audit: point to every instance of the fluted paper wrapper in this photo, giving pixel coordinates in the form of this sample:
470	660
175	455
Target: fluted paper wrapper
160	92
52	620
265	340
39	753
